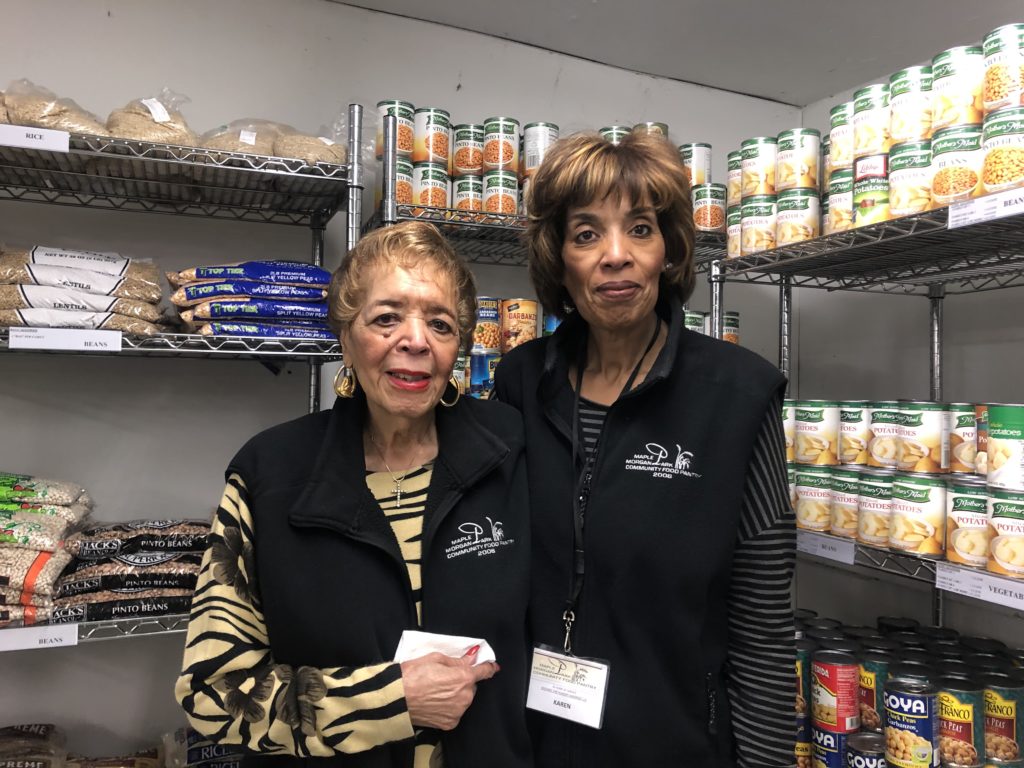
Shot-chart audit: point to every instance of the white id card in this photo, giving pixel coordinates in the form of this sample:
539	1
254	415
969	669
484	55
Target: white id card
569	687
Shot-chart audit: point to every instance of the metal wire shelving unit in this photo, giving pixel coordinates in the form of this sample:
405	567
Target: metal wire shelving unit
121	628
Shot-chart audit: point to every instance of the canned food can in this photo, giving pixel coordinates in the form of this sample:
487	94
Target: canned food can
923	437
501	144
798	217
537	140
802	750
487	334
865	750
804	650
403	112
910	178
468	193
967	529
918	524
468	159
957	76
791	476
845	488
734	194
870	201
1003	143
731	327
482	366
840	200
518	323
824	165
853	432
813	498
734	232
697	162
1004	67
1004	718
981	434
817	432
655	129
798	154
758	224
870	166
828	749
841	135
874	507
758	166
1006	517
430	184
910	104
911	724
431	135
693	321
614	133
461	373
824	215
961	711
403	184
884	433
874	673
835	690
551	323
1006	446
789	427
709	207
957	161
871	120
501	192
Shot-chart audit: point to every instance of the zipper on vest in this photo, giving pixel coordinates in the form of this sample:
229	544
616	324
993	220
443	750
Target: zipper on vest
712	698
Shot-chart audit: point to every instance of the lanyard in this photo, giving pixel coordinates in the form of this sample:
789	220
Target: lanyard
581	492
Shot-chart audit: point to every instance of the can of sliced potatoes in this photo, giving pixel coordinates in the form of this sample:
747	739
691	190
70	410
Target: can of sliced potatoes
883	433
844	506
797	157
1003	49
817	432
923	438
962	428
957	160
734	232
758	223
1006	446
791	476
825	165
789	428
734	186
853	432
1003	144
871	120
957	76
709	207
981	436
758	170
614	133
1006	517
813	498
697	162
918	524
874	506
840	200
967	530
798	217
870	200
824	215
841	134
910	104
910	180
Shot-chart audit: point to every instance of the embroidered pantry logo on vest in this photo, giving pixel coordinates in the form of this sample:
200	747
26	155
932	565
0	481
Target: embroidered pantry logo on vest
659	462
478	539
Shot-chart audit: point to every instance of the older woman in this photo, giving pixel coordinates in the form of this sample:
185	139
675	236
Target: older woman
663	534
340	530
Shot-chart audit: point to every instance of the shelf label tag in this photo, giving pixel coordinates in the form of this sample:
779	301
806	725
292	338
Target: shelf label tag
65	339
828	547
981	585
34	138
27	638
1007	203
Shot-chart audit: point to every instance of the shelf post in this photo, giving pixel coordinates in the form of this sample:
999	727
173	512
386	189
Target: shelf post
318	229
354	215
936	294
389	206
785	326
717	309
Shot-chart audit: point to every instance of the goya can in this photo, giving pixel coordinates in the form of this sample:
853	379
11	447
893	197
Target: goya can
845	488
802	750
518	323
918	524
468	193
403	114
482	366
430	184
841	135
798	154
923	437
871	120
884	429
758	166
709	207
967	530
957	76
957	160
874	507
734	232
501	192
981	436
697	162
840	200
537	140
487	334
798	217
853	432
758	223
789	428
874	673
817	432
910	104
1004	718
501	144
652	128
615	133
865	750
911	724
432	135
910	178
468	144
734	186
870	200
835	682
1003	144
1006	517
1004	68
731	327
813	498
828	748
1006	446
961	711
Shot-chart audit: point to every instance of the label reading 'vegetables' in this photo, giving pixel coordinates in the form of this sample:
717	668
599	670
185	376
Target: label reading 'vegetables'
979	585
65	339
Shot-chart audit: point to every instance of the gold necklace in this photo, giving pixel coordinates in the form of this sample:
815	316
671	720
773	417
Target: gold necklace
397	490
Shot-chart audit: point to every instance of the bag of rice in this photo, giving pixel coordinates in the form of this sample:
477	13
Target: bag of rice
248	135
197	293
45	297
265	331
279	272
33	105
155	119
186	748
312	149
4	119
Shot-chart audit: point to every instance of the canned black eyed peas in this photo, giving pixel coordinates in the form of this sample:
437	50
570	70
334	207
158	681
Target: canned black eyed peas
1004	718
961	711
874	673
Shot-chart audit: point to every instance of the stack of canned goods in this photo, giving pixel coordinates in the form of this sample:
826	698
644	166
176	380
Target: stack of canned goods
501	326
922	697
700	322
935	480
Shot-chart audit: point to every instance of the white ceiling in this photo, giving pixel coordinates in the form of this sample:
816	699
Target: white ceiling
791	51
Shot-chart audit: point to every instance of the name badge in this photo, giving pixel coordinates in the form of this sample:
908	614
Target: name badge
569	687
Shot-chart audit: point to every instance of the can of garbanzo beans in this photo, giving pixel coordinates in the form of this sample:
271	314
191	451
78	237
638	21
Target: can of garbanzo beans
431	135
910	181
468	193
469	149
734	232
797	159
501	144
840	200
501	192
957	76
759	158
841	135
518	323
487	335
614	133
403	113
697	162
735	181
871	120
910	104
430	184
957	160
1003	142
1004	62
799	217
709	207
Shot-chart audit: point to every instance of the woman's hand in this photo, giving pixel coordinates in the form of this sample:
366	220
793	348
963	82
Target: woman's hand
439	689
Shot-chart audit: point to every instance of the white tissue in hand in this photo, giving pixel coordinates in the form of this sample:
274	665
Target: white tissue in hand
414	645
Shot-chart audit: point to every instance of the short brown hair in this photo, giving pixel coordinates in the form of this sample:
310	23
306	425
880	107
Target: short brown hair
584	168
407	245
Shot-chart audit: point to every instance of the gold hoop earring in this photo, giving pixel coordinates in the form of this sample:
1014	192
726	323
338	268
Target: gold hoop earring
345	382
458	392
